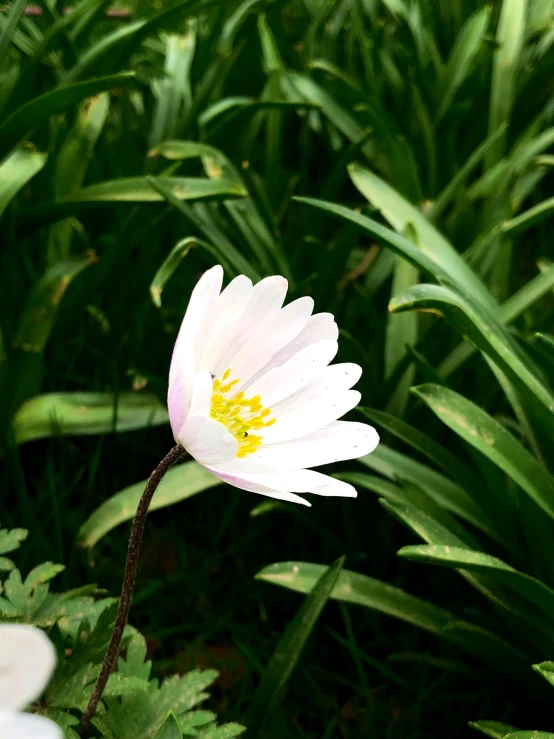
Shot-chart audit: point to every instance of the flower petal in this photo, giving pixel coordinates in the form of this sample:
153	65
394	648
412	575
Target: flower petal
27	659
266	299
219	321
269	338
208	441
27	726
329	383
339	441
310	416
298	371
202	389
318	328
252	485
182	366
259	478
306	481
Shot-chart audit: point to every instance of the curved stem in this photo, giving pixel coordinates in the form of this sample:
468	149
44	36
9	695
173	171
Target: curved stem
128	586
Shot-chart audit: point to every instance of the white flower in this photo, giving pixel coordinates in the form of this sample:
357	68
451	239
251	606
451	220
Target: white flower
251	395
27	659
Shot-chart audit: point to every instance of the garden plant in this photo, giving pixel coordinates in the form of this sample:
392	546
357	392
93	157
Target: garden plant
388	165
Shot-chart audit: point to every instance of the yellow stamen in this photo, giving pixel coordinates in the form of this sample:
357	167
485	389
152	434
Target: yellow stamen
241	416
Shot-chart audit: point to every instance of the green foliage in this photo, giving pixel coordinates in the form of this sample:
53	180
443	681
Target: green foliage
134	703
379	154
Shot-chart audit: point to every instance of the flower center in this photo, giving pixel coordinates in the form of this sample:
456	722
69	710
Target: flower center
241	416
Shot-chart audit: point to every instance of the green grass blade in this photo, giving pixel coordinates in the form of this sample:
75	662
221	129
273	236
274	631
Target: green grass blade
399	335
130	190
529	588
446	493
485	332
104	48
288	650
400	213
383	235
81	413
511	309
493	729
12	20
173	92
179	483
172	261
376	595
408	493
16	170
489	437
529	218
433	450
221	242
71	166
466	47
510	37
34	113
445	197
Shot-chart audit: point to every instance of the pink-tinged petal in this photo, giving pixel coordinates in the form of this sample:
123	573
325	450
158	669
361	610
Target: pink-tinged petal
281	382
331	381
182	366
202	389
310	416
253	486
27	659
303	481
27	726
259	478
266	299
319	327
339	441
221	319
310	481
271	336
208	441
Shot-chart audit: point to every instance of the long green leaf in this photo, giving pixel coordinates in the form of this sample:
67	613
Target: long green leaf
441	489
533	590
484	331
23	120
71	167
510	36
86	413
399	335
15	13
494	729
35	326
467	45
288	650
400	214
376	595
179	483
383	235
433	450
409	493
221	242
489	437
513	307
512	604
16	171
130	190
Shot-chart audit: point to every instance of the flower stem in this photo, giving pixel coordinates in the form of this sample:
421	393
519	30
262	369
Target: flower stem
128	586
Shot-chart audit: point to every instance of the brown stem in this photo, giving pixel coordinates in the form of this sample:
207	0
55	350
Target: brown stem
128	586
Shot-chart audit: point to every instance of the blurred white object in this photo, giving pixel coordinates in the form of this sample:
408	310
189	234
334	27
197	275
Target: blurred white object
27	660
